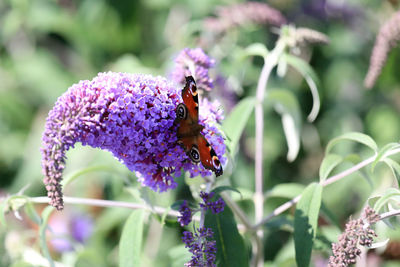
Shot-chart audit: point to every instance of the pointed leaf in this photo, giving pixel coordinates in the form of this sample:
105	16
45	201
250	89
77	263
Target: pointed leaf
305	223
220	189
286	190
382	154
231	250
179	255
256	49
234	124
286	104
353	136
130	244
390	193
42	234
394	167
311	78
32	214
73	176
328	164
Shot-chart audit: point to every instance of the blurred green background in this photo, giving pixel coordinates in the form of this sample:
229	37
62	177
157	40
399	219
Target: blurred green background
48	45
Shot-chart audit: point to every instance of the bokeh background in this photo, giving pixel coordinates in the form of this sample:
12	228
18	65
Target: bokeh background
48	45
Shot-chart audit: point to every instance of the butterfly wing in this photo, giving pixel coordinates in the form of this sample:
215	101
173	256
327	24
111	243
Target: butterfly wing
208	157
189	134
191	99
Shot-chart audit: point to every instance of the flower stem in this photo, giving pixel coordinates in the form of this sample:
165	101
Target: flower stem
328	181
271	60
107	203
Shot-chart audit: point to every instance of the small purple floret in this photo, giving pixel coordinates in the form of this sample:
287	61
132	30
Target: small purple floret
216	207
202	248
185	216
193	62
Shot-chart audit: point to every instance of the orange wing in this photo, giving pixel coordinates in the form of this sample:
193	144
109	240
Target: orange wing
191	99
208	157
189	134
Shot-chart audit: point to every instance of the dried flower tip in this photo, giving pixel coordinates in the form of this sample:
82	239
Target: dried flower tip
304	36
387	38
244	13
357	232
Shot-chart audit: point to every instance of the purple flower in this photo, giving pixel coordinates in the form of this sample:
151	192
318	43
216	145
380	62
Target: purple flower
202	248
193	62
130	115
69	228
216	207
185	214
387	38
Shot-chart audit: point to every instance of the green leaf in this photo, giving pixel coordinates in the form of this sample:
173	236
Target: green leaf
288	190
305	223
70	178
220	189
353	136
234	124
382	154
256	49
395	168
231	250
328	164
311	78
42	234
387	196
32	214
286	104
179	255
130	244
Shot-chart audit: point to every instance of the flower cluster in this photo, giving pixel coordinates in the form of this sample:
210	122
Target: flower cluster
244	13
64	225
216	207
388	37
185	216
193	62
202	248
186	212
357	232
130	115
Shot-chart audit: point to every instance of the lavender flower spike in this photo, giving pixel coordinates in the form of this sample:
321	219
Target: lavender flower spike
202	248
130	115
193	62
388	37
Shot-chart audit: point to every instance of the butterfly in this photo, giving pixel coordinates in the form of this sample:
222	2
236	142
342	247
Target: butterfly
189	133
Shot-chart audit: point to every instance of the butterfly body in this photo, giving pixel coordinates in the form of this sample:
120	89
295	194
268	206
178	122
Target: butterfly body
189	130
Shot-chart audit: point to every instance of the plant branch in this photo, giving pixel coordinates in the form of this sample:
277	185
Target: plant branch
328	181
270	61
237	210
390	214
107	203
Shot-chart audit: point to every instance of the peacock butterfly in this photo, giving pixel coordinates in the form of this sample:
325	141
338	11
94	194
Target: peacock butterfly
189	133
